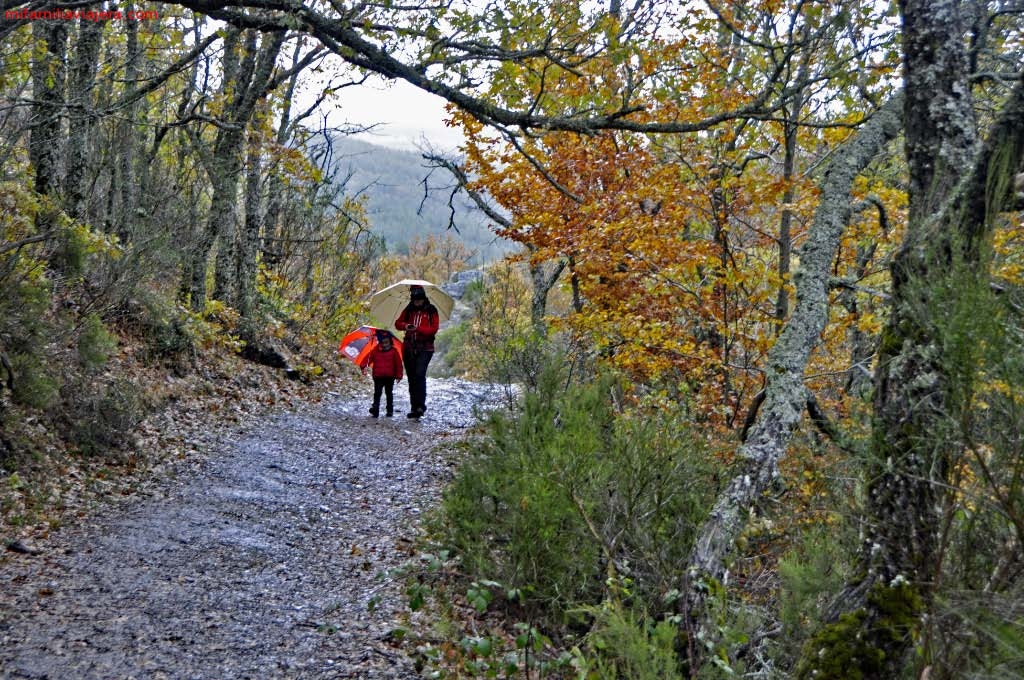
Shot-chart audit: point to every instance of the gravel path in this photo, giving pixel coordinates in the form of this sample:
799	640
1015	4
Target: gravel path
262	562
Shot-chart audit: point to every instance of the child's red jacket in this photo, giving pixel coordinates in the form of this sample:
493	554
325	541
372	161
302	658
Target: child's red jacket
386	363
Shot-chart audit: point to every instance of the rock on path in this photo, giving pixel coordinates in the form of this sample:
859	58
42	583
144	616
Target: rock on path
262	562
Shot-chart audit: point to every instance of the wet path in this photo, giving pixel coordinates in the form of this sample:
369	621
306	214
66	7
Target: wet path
261	563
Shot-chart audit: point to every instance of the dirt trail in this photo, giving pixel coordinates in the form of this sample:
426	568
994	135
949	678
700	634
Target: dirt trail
260	563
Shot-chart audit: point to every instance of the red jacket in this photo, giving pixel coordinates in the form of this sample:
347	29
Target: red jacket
387	363
425	321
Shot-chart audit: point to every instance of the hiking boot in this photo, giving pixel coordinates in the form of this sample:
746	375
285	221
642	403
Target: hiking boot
374	411
413	414
388	414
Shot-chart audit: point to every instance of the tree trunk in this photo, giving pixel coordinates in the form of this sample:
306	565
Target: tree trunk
544	277
246	82
785	394
48	78
251	230
790	130
224	171
225	227
127	215
878	617
275	181
858	378
81	115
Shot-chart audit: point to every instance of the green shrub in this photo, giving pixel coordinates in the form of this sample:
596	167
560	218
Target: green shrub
977	627
95	343
103	415
570	501
24	322
980	635
69	255
26	330
163	328
35	384
453	349
626	644
810	573
497	342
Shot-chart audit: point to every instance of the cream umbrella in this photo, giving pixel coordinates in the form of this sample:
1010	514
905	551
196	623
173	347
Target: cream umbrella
386	304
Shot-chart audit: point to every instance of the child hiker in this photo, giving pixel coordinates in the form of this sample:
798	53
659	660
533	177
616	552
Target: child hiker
387	368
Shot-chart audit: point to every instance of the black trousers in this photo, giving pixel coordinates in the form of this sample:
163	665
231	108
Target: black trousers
387	386
416	362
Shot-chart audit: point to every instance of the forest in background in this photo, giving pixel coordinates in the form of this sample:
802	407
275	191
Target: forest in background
406	199
170	205
767	311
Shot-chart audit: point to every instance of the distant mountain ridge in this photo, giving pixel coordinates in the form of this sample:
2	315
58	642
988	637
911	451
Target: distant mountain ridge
393	182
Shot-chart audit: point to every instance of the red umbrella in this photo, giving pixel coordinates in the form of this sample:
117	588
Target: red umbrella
358	344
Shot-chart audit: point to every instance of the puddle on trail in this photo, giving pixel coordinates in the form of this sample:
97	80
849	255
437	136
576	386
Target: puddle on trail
261	560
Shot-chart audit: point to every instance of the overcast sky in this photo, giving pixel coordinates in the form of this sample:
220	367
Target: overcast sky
405	115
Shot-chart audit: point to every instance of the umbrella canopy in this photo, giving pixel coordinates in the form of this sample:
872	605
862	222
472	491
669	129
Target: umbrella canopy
388	303
357	345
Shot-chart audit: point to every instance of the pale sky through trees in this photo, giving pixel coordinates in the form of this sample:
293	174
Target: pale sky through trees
404	114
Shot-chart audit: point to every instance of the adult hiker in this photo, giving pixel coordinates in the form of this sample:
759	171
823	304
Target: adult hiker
420	321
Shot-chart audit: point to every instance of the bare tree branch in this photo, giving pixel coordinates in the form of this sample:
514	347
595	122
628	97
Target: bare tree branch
15	245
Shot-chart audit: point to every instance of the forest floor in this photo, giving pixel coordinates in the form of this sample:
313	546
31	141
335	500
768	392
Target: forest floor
261	550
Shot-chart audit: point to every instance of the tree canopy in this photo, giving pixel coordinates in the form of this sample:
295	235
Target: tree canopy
721	187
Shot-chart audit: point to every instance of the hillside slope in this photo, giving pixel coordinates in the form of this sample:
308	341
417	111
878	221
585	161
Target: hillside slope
394	182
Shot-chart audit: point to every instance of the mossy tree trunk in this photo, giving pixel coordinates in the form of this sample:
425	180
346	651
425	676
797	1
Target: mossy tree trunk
49	76
907	462
252	227
248	78
127	137
954	192
81	115
785	393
